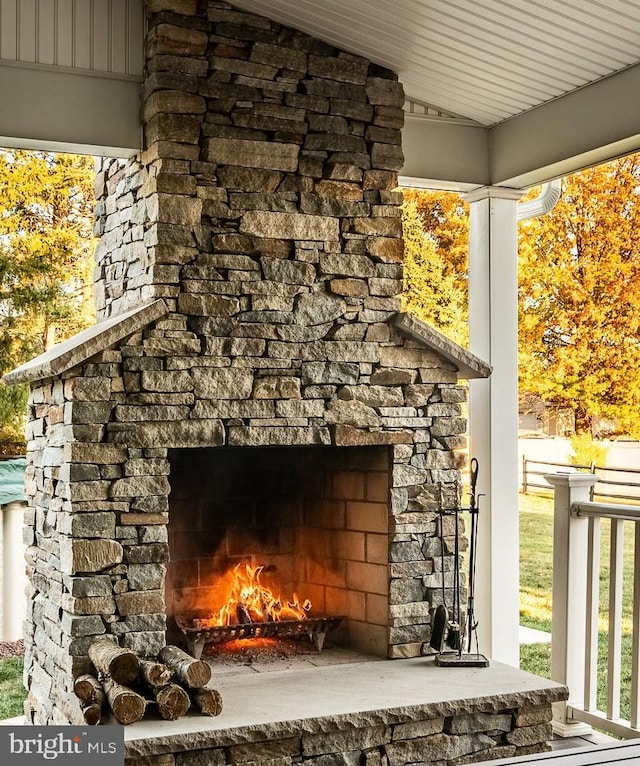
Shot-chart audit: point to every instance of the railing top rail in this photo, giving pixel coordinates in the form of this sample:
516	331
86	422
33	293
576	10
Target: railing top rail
606	510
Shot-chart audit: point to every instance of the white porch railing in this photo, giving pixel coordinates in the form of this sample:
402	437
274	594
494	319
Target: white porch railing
575	608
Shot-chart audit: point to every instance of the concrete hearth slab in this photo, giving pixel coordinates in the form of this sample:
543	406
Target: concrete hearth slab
273	705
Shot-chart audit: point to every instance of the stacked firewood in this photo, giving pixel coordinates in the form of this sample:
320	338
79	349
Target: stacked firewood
128	685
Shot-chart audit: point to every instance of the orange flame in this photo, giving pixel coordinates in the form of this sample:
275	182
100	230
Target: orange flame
249	601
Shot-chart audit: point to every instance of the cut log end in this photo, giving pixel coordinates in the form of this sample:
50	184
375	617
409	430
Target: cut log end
112	660
92	713
155	673
127	706
208	701
88	689
173	701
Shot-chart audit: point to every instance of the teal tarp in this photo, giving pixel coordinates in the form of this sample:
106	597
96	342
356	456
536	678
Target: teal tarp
12	480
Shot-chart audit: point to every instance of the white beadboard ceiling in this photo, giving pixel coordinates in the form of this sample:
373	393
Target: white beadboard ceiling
99	36
484	60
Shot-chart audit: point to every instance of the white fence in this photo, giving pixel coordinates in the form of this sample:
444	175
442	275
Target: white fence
618	479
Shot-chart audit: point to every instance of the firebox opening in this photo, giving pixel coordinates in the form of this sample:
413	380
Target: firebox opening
314	518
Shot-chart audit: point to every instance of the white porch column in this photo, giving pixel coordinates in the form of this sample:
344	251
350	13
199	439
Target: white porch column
493	423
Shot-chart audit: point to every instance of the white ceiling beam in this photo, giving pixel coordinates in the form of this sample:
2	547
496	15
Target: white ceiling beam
584	128
68	111
589	126
444	154
62	110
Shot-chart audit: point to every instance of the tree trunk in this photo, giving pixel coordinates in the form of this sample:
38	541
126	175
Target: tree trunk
127	706
189	671
583	420
173	701
208	701
111	660
155	673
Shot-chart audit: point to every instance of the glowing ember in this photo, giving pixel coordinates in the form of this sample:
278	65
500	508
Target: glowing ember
249	601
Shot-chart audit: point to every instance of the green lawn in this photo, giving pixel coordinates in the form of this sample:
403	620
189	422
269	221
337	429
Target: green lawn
536	549
12	692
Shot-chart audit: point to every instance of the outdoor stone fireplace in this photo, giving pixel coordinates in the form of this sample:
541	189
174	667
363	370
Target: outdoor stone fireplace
251	389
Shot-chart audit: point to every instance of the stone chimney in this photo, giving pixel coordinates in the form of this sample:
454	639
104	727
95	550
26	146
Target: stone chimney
247	283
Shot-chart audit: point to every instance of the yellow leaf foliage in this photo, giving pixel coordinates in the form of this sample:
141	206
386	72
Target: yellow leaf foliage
435	243
46	260
579	301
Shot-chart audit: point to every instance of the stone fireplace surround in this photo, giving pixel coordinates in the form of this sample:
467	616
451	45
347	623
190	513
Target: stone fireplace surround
247	277
98	543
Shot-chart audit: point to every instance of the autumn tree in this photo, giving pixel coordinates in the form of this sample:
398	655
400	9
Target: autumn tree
46	260
579	299
445	215
435	245
579	289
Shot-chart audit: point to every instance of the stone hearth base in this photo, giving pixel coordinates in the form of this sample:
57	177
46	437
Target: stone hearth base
369	712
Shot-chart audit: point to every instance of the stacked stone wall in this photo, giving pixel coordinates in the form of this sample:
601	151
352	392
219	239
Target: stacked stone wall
124	276
98	489
96	556
274	236
464	734
271	157
263	213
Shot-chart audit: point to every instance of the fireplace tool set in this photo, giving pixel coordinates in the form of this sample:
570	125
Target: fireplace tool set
449	632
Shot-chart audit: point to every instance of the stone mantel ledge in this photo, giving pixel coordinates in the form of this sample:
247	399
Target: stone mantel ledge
276	705
468	365
87	343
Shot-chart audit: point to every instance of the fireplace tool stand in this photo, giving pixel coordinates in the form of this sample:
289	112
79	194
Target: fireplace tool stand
449	633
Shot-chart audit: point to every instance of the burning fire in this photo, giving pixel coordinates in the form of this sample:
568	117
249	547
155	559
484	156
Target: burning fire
249	601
